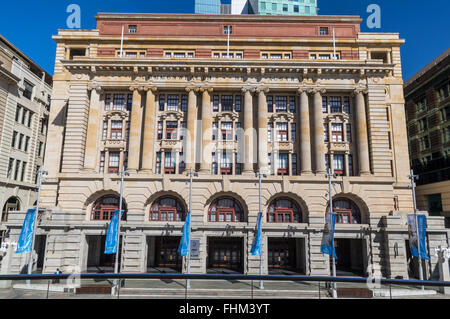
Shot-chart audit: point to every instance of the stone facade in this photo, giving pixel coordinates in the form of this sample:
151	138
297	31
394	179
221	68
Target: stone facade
293	110
24	109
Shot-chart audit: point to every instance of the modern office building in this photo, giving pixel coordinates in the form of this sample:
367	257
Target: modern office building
263	7
428	116
275	100
25	90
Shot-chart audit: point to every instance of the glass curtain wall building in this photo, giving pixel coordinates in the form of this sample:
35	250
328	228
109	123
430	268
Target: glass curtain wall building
263	7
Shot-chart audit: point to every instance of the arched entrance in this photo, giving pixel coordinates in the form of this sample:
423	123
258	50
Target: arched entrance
12	204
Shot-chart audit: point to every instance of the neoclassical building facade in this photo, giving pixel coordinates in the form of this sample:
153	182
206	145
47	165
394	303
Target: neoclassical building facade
280	99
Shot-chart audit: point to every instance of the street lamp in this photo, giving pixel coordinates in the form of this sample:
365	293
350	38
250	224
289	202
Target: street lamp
116	263
413	177
259	175
190	174
330	195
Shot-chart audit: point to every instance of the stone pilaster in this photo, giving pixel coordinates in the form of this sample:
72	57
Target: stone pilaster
149	130
248	131
205	166
190	128
319	143
305	133
135	130
361	134
262	130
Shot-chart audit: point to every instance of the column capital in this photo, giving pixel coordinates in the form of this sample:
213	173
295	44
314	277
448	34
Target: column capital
206	89
303	89
316	90
150	88
249	89
359	90
136	88
96	87
194	89
263	89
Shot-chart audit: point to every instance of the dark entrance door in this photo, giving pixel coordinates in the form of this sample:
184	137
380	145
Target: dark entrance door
281	253
40	250
349	256
97	259
166	254
225	253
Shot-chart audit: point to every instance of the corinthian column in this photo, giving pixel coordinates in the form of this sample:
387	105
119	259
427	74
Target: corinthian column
319	143
91	148
262	130
135	130
361	125
190	128
248	131
305	133
149	130
205	166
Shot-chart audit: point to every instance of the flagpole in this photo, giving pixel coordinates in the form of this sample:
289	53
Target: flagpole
261	282
334	46
30	257
121	43
332	225
413	187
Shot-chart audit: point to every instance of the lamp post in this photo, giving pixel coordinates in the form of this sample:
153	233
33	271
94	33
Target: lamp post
261	282
116	263
413	177
330	195
41	172
190	174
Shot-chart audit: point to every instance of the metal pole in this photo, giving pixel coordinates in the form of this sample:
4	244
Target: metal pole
261	282
116	264
331	214
188	282
30	256
228	42
121	44
413	186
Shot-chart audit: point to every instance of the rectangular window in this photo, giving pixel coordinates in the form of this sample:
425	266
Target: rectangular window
116	130
337	133
107	102
227	131
171	130
10	167
270	132
227	103
114	159
27	143
270	104
326	133
127	131
238	131
41	146
323	30
44	126
350	165
281	103
169	163
30	118
129	102
158	162
119	102
226	163
160	130
346	105
28	92
215	103
16	171
292	104
162	101
327	161
214	166
14	139
18	109
324	104
338	164
283	163
294	164
349	133
20	141
24	168
102	162
269	164
105	130
421	105
24	116
36	174
293	132
184	102
215	131
335	104
237	103
132	28
282	132
172	102
125	159
183	130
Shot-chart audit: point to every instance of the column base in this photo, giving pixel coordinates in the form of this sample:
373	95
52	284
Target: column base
88	170
204	172
307	172
248	173
320	172
364	174
145	171
132	171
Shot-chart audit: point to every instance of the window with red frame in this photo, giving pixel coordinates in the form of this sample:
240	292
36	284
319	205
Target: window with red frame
167	209
337	132
116	130
171	130
225	209
346	211
114	160
227	131
104	208
282	132
169	163
226	163
338	164
284	210
283	164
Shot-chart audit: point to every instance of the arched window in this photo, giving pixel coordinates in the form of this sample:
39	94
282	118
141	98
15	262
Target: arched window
12	204
346	211
284	210
104	208
225	209
167	209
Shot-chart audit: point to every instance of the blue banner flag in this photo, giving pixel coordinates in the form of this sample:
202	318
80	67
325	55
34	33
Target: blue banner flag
183	248
421	221
327	246
111	235
26	234
256	247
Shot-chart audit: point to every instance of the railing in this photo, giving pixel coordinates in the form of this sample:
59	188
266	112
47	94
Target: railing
299	286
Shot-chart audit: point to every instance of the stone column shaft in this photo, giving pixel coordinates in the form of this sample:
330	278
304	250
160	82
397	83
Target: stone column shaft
190	129
305	134
135	131
362	141
205	165
262	132
248	132
91	153
149	131
319	143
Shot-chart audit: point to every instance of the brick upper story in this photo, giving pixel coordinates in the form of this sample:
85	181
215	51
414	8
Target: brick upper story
245	26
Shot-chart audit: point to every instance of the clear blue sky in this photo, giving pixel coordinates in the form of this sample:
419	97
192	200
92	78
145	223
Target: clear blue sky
425	25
